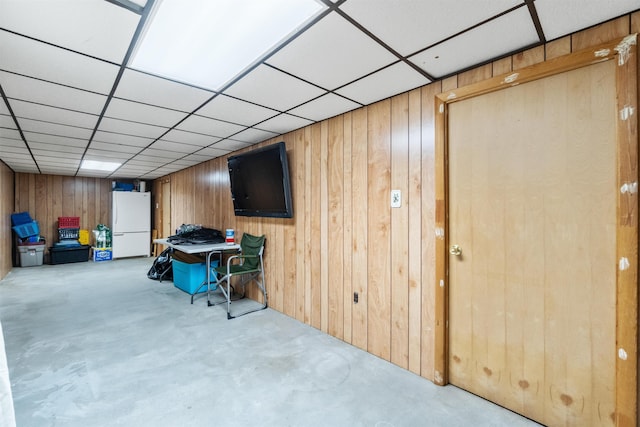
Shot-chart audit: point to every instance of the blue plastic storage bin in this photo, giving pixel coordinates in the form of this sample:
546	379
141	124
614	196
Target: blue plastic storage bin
189	277
20	218
27	230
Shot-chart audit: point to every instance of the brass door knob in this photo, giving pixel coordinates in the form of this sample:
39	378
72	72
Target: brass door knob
455	250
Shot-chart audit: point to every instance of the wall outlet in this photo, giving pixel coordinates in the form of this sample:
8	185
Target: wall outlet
396	198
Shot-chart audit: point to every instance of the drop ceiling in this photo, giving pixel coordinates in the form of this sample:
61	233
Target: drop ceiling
68	92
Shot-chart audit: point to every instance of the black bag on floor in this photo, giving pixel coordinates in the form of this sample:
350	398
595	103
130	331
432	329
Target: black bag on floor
161	267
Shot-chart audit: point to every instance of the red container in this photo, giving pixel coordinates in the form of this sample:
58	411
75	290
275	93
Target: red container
68	222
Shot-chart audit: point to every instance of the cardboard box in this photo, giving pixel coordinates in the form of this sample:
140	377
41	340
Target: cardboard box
102	254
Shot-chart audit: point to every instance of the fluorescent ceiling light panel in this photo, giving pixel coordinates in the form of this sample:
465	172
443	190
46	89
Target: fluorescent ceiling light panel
207	43
99	166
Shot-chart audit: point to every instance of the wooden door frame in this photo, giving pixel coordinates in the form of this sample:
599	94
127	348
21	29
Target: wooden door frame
623	51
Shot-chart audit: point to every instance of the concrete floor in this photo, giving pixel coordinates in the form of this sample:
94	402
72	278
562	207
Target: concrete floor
99	344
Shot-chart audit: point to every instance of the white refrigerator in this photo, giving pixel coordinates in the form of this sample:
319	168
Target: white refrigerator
131	224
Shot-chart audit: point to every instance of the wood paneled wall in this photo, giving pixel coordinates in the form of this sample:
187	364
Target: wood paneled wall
47	197
6	209
344	237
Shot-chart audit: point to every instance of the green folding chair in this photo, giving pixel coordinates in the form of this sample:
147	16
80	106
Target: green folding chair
248	265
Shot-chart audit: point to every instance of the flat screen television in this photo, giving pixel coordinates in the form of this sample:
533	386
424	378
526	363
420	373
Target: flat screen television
260	183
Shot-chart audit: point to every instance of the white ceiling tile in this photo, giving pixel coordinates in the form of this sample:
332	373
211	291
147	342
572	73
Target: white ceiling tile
230	145
114	155
332	53
36	126
508	33
213	152
209	126
253	135
54	150
559	18
142	113
30	110
284	123
145	162
326	106
177	147
44	138
269	87
9	143
6	133
177	135
385	83
57	170
131	128
185	163
164	154
94	27
3	108
117	138
195	159
72	161
27	89
141	87
7	121
39	60
113	150
410	25
233	110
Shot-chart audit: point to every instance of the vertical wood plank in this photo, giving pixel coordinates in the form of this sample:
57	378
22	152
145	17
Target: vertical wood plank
335	229
528	57
347	237
475	75
415	230
428	232
557	48
360	237
400	231
316	226
379	295
324	227
602	33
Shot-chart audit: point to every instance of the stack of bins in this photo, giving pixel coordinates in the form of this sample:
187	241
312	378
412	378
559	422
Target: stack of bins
30	246
68	249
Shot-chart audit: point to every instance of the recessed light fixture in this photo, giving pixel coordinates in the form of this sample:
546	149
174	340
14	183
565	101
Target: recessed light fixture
207	43
99	166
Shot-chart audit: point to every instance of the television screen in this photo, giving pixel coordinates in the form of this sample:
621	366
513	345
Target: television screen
260	182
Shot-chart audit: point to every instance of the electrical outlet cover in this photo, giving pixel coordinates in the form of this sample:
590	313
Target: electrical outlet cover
396	198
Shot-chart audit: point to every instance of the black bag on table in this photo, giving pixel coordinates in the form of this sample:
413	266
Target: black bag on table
161	267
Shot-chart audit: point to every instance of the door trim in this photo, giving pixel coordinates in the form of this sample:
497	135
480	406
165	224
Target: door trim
623	51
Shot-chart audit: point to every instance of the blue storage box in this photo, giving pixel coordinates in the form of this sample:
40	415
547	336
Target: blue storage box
189	277
20	218
27	230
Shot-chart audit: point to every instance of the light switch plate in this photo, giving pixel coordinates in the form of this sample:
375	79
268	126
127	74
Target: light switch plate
396	198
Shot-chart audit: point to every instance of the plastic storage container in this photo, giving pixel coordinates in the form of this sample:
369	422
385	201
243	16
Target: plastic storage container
64	255
68	233
189	277
68	222
31	255
27	230
20	218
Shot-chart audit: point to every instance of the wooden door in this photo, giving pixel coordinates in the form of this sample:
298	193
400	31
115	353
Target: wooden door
538	187
532	205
